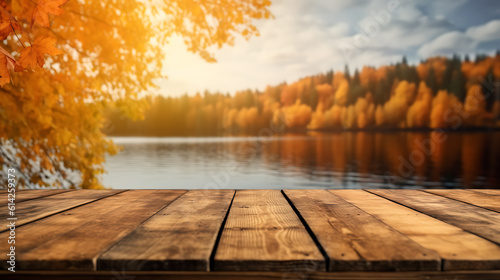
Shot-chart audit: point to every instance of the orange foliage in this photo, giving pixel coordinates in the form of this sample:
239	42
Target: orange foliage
325	93
367	76
338	77
480	69
246	117
297	116
423	70
395	109
289	94
365	112
475	107
381	72
341	93
348	117
317	118
77	60
419	112
405	106
439	65
445	107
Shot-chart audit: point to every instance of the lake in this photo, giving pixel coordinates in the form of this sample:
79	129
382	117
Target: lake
313	160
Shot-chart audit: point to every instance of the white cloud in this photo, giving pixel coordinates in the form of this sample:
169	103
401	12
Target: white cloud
487	32
448	43
339	30
462	42
410	14
305	36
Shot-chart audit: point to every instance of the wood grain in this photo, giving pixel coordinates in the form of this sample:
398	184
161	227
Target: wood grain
32	194
477	220
263	233
491	202
373	230
459	250
487	191
179	237
195	275
355	240
72	240
32	210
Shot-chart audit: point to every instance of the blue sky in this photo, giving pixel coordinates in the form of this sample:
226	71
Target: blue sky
313	36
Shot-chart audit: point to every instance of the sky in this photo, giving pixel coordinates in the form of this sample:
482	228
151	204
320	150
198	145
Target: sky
314	36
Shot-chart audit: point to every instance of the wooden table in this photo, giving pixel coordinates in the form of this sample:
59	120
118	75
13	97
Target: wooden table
253	234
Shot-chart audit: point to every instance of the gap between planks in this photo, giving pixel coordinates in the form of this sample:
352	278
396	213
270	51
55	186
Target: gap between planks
480	199
459	250
43	207
471	218
180	236
71	240
263	233
356	241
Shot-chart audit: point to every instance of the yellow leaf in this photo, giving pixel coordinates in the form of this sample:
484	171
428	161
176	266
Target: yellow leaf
44	8
33	55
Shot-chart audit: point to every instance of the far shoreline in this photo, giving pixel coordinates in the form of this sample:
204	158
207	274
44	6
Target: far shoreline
328	131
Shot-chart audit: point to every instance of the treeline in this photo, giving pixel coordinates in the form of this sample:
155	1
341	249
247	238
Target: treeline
439	92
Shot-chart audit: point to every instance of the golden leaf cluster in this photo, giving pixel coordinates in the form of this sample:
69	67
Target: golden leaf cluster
63	63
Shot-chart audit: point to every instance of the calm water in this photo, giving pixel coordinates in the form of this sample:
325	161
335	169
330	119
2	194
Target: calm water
341	160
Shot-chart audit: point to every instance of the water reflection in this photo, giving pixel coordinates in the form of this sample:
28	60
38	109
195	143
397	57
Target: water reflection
316	160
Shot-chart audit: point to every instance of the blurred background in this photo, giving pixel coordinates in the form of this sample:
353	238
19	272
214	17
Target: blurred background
250	94
361	94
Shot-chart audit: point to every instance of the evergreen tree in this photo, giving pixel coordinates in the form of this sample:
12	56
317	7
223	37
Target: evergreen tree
382	93
456	82
480	57
488	92
413	75
391	76
347	74
431	81
404	61
355	89
329	77
457	85
448	71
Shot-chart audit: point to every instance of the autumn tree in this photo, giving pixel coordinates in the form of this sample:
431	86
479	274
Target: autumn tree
313	96
63	63
385	99
355	89
489	94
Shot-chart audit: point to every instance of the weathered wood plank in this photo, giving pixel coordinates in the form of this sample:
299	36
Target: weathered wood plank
195	275
477	220
263	233
72	240
31	210
355	240
179	237
487	191
483	200
32	194
458	249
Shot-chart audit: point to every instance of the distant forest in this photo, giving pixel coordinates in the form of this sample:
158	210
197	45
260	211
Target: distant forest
439	92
